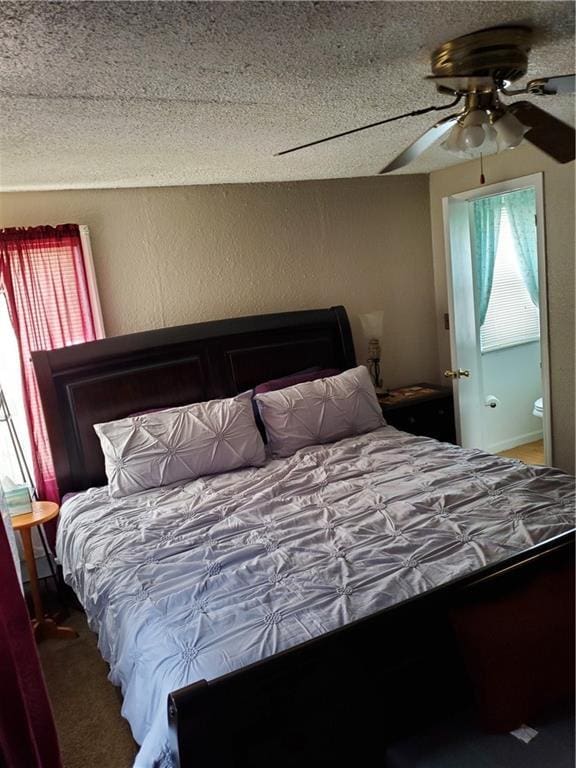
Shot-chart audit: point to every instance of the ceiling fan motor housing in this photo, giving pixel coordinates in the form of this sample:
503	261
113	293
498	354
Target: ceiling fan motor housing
498	54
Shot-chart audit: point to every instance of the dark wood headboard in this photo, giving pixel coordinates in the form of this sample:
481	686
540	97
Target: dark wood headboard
85	384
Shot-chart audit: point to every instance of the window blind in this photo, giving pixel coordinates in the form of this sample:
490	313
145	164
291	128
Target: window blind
511	318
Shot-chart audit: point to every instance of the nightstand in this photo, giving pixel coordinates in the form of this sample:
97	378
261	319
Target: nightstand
42	512
422	409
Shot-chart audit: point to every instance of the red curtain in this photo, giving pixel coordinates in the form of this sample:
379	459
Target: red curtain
27	731
43	274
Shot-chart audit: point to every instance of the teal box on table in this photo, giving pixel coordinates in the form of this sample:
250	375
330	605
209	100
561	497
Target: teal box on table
17	498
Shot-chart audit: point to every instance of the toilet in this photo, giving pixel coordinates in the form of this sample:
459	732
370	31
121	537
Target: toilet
538	409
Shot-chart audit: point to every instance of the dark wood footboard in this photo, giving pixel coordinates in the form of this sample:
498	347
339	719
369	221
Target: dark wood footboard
344	695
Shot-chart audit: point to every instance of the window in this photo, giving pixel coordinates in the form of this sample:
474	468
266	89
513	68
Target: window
11	390
48	289
512	318
11	386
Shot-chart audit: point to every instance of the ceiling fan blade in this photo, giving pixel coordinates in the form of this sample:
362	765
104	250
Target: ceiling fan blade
549	134
421	144
370	125
550	86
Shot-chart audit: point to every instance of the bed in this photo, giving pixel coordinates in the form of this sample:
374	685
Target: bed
256	616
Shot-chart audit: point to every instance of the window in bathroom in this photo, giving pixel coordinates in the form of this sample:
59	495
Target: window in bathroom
506	269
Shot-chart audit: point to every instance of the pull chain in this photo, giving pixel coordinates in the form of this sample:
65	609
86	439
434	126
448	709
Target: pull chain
482	177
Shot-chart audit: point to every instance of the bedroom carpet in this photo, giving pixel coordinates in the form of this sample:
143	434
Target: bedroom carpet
461	743
86	705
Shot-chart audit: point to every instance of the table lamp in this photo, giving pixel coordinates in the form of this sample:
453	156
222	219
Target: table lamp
373	327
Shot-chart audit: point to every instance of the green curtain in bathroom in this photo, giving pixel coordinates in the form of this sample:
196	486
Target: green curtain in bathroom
521	208
487	212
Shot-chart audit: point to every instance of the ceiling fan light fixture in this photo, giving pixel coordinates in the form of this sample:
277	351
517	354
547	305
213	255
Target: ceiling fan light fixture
510	130
470	132
477	69
491	133
472	137
484	130
453	142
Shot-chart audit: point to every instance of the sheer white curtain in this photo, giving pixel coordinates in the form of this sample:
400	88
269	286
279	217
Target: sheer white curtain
7	523
11	383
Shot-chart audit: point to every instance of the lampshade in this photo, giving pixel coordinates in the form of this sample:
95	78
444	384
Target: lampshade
373	327
373	324
510	131
452	143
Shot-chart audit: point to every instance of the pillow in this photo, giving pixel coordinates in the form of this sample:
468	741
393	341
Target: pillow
320	411
310	374
176	444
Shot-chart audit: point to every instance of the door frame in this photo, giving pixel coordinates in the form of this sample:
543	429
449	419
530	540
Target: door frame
535	181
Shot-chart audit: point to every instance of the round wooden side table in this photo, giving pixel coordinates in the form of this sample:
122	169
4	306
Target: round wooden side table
42	511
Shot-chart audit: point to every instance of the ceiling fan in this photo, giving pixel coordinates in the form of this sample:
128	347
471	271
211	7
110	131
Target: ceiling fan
477	69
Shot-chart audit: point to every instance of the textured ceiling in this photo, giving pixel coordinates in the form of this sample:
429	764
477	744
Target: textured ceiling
108	94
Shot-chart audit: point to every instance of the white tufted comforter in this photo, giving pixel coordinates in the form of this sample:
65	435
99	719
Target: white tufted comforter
195	580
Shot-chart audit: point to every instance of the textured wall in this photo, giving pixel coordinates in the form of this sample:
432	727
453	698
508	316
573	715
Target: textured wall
559	214
166	256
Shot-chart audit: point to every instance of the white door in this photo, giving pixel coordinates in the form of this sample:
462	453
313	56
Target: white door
464	347
466	360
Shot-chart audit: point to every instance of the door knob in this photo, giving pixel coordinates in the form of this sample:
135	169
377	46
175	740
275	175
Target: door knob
457	374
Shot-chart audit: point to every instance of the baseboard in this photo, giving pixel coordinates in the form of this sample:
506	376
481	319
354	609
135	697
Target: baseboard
513	442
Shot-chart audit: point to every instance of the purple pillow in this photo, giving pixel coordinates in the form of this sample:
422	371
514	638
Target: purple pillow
295	378
149	410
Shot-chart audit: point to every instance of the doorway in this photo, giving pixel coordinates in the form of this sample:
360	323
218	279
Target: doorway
498	318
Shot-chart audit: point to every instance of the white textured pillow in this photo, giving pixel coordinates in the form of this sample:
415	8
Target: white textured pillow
320	411
164	447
